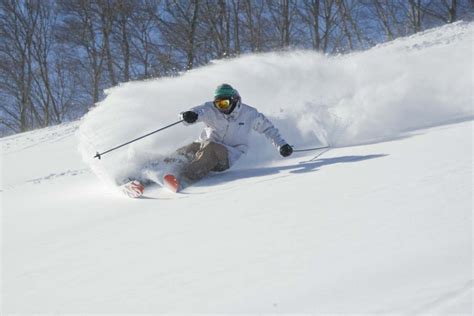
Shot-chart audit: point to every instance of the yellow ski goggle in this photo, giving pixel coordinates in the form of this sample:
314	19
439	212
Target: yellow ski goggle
222	104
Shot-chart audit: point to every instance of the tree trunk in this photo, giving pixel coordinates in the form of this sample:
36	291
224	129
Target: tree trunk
452	12
107	21
343	14
235	9
315	8
125	47
191	38
382	16
286	23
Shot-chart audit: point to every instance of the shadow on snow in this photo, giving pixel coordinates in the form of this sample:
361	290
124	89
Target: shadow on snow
302	167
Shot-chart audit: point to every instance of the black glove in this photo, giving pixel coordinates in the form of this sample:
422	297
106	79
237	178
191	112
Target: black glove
286	150
189	116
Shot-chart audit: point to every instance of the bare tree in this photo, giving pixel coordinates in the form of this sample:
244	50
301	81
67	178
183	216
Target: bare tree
309	12
37	85
281	13
143	25
81	31
254	23
17	28
57	56
215	18
236	7
43	87
452	10
347	11
444	10
125	12
415	13
179	27
107	13
329	18
384	18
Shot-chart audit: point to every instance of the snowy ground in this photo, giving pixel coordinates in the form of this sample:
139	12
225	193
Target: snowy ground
376	227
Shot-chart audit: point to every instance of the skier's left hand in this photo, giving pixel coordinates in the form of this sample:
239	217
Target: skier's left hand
286	150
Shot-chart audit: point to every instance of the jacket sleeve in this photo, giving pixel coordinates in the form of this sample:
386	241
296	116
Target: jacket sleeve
204	113
263	125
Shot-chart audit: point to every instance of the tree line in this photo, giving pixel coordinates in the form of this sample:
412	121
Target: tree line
57	57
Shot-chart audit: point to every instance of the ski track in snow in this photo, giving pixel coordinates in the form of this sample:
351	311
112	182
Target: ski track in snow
57	175
52	176
20	142
447	299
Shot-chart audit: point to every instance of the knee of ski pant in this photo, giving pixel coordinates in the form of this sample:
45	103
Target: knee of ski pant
189	150
219	153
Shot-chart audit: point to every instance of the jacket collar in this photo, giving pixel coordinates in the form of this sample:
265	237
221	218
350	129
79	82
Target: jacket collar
235	112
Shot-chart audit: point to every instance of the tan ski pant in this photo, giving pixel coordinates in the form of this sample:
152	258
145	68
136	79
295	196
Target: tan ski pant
204	158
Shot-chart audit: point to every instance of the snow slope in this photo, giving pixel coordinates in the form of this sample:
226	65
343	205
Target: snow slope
381	226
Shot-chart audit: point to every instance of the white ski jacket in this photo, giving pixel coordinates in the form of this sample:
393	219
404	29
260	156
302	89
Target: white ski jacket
233	130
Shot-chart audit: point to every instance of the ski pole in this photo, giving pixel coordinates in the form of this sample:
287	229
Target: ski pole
98	155
310	149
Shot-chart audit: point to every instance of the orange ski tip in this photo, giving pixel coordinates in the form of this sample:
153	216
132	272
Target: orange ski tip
171	182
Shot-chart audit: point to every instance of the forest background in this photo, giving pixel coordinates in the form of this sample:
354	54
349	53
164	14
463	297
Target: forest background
57	57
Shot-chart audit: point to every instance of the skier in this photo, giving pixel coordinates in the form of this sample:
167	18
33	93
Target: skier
228	125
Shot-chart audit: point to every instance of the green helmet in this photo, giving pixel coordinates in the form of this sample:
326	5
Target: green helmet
226	91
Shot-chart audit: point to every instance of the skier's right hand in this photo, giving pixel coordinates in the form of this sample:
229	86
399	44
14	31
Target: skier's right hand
286	150
189	116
